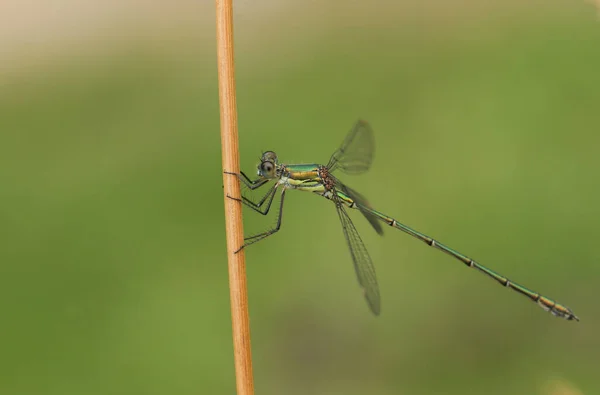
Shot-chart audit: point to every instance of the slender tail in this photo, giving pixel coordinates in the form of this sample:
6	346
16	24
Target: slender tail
545	303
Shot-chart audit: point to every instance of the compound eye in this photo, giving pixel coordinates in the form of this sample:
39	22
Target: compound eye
267	167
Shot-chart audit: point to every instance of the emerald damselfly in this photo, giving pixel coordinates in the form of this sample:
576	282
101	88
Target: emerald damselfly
355	156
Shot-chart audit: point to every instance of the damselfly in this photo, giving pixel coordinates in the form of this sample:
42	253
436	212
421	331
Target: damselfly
355	156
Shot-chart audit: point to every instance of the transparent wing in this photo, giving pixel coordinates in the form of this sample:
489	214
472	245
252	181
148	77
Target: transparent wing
365	271
355	155
361	202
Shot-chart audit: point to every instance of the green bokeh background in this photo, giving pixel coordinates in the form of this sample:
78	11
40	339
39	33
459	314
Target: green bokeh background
114	272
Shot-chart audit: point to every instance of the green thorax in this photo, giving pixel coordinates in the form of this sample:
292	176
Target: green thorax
309	171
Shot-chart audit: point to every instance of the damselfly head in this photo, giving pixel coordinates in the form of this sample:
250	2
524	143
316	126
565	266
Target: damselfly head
268	165
269	156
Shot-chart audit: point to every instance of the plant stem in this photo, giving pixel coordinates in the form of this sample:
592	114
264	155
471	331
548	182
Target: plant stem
233	209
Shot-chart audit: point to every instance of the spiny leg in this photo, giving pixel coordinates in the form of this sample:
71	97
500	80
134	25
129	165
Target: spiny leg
258	237
257	206
252	184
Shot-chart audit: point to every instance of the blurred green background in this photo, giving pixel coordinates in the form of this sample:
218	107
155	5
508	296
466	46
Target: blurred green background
113	263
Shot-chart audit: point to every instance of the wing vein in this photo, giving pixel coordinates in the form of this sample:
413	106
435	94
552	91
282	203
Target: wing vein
363	265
